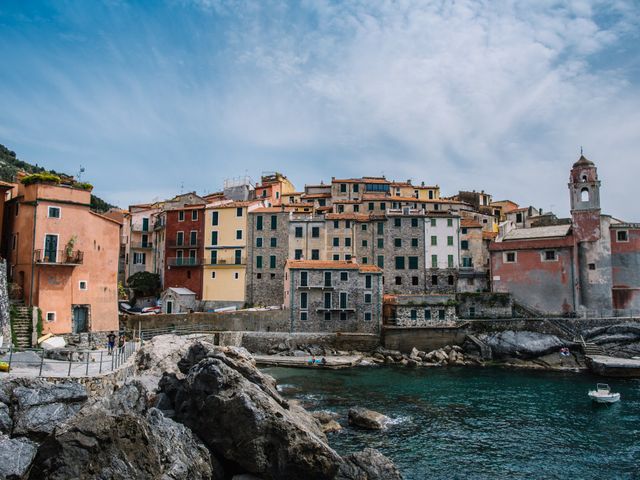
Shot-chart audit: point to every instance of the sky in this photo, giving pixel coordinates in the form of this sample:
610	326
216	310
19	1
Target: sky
157	97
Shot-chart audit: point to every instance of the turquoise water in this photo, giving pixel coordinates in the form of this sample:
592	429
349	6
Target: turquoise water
480	423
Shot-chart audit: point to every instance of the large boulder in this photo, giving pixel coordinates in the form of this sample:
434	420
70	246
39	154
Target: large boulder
522	344
363	418
6	423
116	438
16	455
368	465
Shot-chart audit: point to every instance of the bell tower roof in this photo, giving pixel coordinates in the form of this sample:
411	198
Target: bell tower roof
583	162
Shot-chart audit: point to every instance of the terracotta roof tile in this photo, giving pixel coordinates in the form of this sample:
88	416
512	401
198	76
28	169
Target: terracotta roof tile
469	223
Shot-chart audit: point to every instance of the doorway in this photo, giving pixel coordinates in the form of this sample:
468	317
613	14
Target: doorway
50	248
80	319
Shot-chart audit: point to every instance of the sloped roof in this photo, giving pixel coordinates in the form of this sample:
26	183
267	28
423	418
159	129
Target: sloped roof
181	291
552	231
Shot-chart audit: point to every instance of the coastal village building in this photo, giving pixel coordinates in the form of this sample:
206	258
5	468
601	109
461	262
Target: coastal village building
333	296
140	253
420	310
442	244
589	264
474	268
63	256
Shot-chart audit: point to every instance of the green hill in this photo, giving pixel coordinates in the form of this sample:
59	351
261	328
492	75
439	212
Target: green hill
10	165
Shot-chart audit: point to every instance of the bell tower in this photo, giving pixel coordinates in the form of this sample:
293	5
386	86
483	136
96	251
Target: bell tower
584	188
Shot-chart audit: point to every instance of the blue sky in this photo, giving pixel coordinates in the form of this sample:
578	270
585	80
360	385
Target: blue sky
494	95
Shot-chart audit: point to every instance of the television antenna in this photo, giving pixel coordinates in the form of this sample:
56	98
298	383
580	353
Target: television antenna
80	172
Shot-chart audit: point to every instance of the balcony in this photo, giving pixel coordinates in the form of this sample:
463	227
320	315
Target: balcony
184	244
314	287
139	227
58	257
184	262
159	224
142	245
226	262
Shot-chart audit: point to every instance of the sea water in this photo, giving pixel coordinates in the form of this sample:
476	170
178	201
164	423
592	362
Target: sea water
480	423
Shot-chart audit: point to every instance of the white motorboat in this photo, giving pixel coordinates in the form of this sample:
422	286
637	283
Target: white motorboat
603	394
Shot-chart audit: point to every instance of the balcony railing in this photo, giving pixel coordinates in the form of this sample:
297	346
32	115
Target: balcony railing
139	227
184	262
58	257
224	261
184	244
142	245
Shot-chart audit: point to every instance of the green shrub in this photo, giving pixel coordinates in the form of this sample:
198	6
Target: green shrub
83	186
41	178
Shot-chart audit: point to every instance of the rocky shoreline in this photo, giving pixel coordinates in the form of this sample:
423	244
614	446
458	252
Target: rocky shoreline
193	411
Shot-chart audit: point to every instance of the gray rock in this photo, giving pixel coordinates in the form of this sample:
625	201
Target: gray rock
522	344
16	455
363	418
368	465
5	419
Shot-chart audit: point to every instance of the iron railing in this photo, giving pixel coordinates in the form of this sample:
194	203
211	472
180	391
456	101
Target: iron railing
142	245
184	261
58	257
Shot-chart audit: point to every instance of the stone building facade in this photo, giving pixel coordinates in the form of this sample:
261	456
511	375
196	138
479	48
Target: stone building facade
333	296
420	310
404	268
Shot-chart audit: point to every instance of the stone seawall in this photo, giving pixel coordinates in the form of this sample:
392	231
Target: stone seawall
263	342
241	321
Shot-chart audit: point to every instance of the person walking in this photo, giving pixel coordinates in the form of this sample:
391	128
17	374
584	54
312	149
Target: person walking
111	342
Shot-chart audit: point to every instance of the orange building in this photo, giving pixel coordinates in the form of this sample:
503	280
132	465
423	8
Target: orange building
63	256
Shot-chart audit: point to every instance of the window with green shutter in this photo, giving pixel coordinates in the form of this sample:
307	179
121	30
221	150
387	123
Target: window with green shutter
450	240
450	261
434	240
413	263
272	261
259	261
259	220
434	261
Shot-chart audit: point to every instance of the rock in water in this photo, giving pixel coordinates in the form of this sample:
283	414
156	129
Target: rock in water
105	443
363	418
16	454
521	344
368	465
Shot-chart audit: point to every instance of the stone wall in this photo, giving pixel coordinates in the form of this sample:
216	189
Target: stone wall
258	321
426	339
263	342
5	320
484	305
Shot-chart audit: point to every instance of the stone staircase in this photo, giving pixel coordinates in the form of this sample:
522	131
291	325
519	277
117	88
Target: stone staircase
590	349
22	325
485	350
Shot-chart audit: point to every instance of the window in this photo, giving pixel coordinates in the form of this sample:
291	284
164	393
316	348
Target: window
272	261
336	241
343	299
414	242
315	254
398	280
273	242
336	257
83	285
549	256
518	217
381	243
450	240
194	215
139	258
467	262
356	188
214	238
259	220
399	263
297	254
315	232
213	275
298	232
336	224
397	222
327	300
343	316
340	208
343	188
450	261
327	279
51	316
367	316
356	208
327	316
367	281
259	242
622	236
510	257
347	256
238	234
344	276
304	279
383	206
274	222
414	222
180	238
214	258
592	266
365	243
413	263
414	281
238	257
381	261
304	316
441	314
434	261
347	224
380	228
181	216
371	206
414	314
463	231
433	222
584	195
367	298
347	242
427	314
434	240
258	261
450	279
53	212
365	260
434	280
397	242
449	222
363	227
464	245
239	212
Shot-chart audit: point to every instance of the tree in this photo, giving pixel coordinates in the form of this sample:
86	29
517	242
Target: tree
144	284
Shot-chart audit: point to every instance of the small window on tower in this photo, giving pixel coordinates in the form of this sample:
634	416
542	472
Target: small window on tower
592	266
584	195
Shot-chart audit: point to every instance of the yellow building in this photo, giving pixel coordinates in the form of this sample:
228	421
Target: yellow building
225	262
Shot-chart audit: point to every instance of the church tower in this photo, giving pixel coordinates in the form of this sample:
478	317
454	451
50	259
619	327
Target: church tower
584	187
